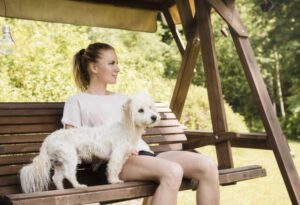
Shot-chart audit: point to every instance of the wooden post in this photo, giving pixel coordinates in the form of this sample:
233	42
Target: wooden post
187	20
272	126
213	82
189	59
174	31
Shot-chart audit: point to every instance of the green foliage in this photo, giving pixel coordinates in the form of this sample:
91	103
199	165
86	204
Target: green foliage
40	70
283	49
275	40
196	114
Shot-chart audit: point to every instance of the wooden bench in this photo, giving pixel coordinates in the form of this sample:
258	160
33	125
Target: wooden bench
23	127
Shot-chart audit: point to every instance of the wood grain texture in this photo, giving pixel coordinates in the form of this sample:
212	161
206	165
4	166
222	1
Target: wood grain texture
272	126
213	83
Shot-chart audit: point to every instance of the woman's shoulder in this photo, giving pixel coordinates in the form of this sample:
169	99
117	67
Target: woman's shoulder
120	96
75	97
83	96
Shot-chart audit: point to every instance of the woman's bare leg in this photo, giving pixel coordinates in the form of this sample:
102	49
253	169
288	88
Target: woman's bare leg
202	168
168	174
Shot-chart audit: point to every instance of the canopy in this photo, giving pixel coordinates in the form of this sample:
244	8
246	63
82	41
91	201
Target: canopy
137	15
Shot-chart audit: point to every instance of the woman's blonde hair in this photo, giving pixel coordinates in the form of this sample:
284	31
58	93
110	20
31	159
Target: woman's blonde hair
81	61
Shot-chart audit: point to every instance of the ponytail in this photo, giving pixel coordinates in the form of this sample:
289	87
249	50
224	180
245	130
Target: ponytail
81	61
80	71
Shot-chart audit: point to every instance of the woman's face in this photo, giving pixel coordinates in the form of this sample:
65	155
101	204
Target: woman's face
107	68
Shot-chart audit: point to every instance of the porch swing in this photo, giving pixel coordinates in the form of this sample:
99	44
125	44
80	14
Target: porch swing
23	126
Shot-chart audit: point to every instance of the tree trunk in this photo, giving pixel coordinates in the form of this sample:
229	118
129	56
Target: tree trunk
278	85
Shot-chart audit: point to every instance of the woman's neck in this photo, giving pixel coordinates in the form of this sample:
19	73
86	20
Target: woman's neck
97	89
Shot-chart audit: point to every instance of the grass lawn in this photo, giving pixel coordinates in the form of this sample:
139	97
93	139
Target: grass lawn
268	190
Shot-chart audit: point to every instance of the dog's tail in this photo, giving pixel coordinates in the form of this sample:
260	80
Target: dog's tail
35	177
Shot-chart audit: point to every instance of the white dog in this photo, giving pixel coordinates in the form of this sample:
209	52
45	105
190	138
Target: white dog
64	149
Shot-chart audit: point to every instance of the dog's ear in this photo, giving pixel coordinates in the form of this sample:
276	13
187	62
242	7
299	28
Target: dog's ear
126	105
127	112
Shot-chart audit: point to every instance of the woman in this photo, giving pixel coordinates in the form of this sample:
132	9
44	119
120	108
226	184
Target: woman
95	68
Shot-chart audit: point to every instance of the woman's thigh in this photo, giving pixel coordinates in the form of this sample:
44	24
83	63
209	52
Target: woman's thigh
145	168
193	164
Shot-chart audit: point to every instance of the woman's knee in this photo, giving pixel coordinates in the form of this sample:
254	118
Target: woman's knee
207	168
171	174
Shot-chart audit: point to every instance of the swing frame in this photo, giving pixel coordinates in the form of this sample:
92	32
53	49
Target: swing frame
199	34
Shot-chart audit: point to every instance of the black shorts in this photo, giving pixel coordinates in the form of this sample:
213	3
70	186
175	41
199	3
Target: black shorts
147	153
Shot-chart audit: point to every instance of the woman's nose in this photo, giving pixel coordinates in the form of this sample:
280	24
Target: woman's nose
117	69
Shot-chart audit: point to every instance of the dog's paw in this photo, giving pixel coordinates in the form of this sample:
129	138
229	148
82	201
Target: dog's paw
115	181
81	186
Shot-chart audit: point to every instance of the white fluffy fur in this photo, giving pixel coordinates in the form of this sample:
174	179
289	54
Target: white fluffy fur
64	149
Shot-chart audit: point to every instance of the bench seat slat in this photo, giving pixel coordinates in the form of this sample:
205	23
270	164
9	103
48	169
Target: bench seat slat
9	180
165	139
22	138
168	123
31	105
166	147
34	147
167	116
38	112
24	159
10	190
33	112
18	120
39	128
42	128
164	130
31	118
45	105
19	148
12	122
16	159
8	170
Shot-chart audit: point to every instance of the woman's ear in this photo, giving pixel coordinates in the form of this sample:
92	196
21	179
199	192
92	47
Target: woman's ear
93	68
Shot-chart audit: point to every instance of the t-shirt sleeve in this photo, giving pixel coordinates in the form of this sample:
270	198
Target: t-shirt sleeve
72	114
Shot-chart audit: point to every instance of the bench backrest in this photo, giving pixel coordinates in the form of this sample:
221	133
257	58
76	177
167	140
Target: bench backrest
24	126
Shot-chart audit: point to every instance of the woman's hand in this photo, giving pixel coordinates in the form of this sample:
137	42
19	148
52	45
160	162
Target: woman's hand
67	126
134	152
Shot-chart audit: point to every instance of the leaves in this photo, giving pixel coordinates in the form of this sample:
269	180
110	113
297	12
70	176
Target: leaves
41	68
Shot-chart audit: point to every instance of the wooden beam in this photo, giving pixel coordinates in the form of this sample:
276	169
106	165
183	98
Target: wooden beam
185	75
174	30
229	16
198	139
213	82
272	126
187	20
229	176
186	72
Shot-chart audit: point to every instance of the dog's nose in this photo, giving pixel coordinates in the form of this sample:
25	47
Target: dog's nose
153	118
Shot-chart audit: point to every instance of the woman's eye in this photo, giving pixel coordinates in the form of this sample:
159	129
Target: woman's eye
141	110
112	62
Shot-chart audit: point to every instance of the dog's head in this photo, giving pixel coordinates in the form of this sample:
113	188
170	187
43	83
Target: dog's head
141	111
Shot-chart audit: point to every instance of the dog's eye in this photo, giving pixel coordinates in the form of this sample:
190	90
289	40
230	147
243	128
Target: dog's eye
141	110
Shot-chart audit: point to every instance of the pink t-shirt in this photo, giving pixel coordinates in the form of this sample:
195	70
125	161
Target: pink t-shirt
88	110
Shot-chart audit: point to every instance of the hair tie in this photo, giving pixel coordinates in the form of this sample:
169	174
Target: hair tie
82	51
